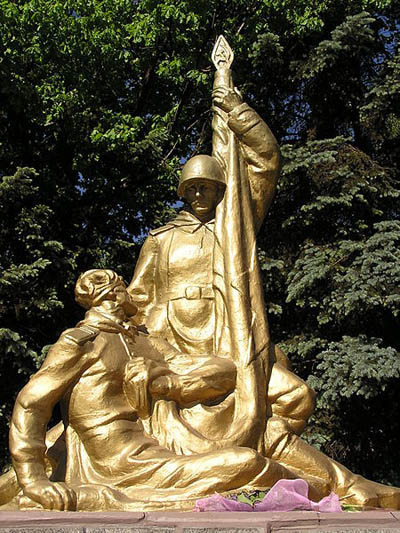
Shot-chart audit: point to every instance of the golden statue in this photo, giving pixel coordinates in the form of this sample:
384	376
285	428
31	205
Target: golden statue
200	401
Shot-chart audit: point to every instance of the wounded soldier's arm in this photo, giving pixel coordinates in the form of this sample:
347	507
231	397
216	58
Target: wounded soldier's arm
65	362
212	380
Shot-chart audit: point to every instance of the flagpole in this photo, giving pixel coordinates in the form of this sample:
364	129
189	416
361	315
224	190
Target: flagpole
239	335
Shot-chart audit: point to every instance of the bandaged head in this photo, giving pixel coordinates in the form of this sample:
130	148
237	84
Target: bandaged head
93	286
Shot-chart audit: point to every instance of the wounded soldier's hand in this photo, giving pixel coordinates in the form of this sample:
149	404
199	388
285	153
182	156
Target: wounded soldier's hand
135	385
53	496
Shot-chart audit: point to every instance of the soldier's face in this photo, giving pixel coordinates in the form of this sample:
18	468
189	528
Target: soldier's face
124	300
203	197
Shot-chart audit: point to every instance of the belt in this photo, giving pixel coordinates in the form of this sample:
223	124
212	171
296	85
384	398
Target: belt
191	292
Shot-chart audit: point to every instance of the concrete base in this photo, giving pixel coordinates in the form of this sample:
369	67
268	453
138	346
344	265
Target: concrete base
175	522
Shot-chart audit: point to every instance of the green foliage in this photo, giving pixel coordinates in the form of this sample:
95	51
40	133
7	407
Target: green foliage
250	497
349	38
101	102
351	279
358	366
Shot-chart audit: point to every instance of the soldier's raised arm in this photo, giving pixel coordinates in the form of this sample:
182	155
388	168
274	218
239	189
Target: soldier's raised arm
259	148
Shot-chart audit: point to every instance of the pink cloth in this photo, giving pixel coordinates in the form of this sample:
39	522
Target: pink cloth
285	495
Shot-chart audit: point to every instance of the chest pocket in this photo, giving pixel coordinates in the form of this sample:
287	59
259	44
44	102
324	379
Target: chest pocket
192	319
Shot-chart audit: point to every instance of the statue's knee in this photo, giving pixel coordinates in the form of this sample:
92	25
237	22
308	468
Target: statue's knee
306	402
247	456
298	404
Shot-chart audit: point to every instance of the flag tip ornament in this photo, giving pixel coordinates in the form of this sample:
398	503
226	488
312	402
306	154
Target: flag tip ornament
222	54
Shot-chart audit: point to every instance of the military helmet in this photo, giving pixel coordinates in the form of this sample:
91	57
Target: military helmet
200	167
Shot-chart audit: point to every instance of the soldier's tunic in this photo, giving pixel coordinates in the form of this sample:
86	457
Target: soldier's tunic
172	282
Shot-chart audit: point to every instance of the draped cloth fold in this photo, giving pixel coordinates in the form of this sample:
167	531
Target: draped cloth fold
241	325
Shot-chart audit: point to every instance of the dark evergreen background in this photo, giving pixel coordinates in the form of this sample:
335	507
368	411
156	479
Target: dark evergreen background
101	101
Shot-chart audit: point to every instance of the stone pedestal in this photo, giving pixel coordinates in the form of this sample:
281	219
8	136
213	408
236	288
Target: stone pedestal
175	522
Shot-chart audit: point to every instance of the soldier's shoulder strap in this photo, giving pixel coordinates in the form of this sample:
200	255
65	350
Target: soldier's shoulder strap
82	334
163	229
183	219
